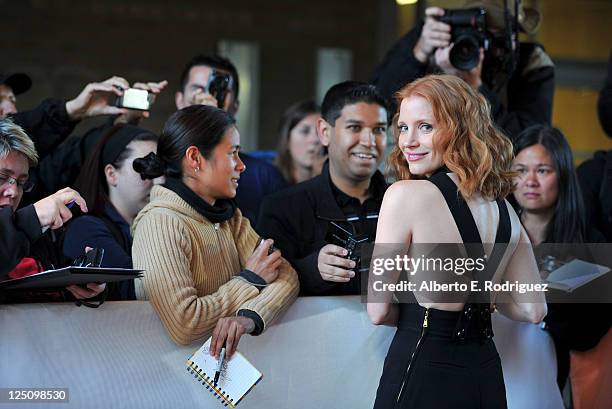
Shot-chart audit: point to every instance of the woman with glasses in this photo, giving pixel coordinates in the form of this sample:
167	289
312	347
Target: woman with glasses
24	250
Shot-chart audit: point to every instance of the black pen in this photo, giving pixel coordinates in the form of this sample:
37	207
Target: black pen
220	364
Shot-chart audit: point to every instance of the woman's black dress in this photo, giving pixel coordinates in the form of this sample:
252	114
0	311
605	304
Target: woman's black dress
441	359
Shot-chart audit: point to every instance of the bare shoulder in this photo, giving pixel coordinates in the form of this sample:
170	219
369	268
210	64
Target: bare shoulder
411	187
416	193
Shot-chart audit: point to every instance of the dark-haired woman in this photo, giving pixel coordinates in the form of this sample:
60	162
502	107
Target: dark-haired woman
204	269
454	171
551	210
300	153
115	194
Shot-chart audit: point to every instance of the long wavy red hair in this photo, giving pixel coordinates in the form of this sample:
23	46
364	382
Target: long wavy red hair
471	145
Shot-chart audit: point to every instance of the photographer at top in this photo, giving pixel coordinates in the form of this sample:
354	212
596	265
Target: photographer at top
343	200
517	78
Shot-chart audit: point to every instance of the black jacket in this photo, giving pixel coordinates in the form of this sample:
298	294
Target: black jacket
595	176
47	125
18	231
529	90
61	167
604	102
297	218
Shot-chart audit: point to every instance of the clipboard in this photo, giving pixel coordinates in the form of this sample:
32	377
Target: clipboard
62	277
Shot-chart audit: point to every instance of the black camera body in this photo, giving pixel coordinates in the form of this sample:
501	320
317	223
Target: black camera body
219	84
340	236
468	33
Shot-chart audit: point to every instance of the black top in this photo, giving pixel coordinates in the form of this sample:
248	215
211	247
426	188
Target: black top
18	231
360	218
469	231
476	314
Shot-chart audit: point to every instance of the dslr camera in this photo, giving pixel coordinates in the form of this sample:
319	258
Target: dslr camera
219	84
468	33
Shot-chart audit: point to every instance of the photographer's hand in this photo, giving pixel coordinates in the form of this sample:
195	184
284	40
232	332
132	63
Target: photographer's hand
203	98
333	266
94	99
472	77
435	34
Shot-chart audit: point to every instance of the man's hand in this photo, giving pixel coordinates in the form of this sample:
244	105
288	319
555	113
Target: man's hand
53	212
204	98
472	77
333	266
81	293
133	116
228	331
435	34
264	265
94	99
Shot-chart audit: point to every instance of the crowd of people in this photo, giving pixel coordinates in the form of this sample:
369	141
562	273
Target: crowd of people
226	241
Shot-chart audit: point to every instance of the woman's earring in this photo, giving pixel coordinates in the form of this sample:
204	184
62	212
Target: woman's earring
197	169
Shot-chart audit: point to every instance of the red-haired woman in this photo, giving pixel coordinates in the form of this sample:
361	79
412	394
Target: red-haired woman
454	171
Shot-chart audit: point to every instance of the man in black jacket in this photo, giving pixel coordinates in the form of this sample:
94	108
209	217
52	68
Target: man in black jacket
348	192
520	91
595	174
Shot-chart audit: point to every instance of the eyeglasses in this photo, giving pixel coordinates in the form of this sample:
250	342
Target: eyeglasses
26	186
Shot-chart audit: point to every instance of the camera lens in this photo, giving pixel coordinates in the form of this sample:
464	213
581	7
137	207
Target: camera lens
465	53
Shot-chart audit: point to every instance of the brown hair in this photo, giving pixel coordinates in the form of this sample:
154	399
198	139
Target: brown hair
291	117
470	143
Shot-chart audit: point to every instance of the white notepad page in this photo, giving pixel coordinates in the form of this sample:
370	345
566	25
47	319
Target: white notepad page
575	274
237	378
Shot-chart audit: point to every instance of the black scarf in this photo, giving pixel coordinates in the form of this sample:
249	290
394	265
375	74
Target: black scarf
222	210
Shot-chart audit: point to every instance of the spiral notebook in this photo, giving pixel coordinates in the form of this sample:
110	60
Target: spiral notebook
238	375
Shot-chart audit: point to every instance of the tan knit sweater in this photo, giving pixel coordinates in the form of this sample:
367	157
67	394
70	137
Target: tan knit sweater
191	268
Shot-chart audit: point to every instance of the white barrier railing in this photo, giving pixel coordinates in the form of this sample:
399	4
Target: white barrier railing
322	353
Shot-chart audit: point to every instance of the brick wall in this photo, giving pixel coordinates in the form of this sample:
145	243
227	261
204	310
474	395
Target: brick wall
65	44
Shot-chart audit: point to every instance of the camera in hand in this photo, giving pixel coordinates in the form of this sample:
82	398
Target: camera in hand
92	258
468	33
271	249
219	84
134	98
342	237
